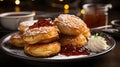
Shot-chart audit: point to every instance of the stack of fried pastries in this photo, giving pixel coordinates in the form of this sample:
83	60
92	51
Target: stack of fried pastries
73	30
44	37
39	39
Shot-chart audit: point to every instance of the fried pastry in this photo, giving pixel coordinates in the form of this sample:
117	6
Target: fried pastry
43	31
40	35
25	25
79	40
70	24
43	50
86	32
16	40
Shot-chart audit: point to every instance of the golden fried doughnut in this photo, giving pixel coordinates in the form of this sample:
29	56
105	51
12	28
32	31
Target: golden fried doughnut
43	50
43	34
16	40
79	40
25	25
70	24
86	32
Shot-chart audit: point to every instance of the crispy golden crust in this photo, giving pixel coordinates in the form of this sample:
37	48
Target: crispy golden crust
86	32
40	35
79	40
70	24
16	40
43	50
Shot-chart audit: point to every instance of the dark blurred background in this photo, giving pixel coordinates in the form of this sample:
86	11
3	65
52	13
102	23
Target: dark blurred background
42	7
49	5
55	6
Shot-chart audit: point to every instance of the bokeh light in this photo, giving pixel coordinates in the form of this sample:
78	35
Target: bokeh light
17	2
66	6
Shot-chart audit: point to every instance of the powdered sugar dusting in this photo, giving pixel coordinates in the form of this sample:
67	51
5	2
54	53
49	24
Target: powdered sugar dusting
70	20
28	23
16	35
39	30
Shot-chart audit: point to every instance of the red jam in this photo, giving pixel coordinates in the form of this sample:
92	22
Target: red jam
41	22
73	50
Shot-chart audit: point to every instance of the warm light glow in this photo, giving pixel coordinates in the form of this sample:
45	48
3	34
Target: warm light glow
66	6
33	12
61	0
17	9
33	0
17	2
1	0
82	11
66	11
53	4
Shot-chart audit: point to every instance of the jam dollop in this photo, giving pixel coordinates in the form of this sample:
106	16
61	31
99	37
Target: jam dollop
70	50
42	22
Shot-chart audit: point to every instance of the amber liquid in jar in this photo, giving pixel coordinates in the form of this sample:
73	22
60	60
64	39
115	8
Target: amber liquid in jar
95	16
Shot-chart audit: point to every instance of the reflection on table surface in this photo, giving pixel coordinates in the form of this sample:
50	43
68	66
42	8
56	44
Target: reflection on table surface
110	59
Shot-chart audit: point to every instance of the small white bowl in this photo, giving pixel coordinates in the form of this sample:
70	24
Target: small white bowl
11	20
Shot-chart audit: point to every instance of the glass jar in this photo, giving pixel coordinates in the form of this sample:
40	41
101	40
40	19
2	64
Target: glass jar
95	15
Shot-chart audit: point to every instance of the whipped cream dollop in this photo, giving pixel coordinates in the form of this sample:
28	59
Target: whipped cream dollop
96	43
